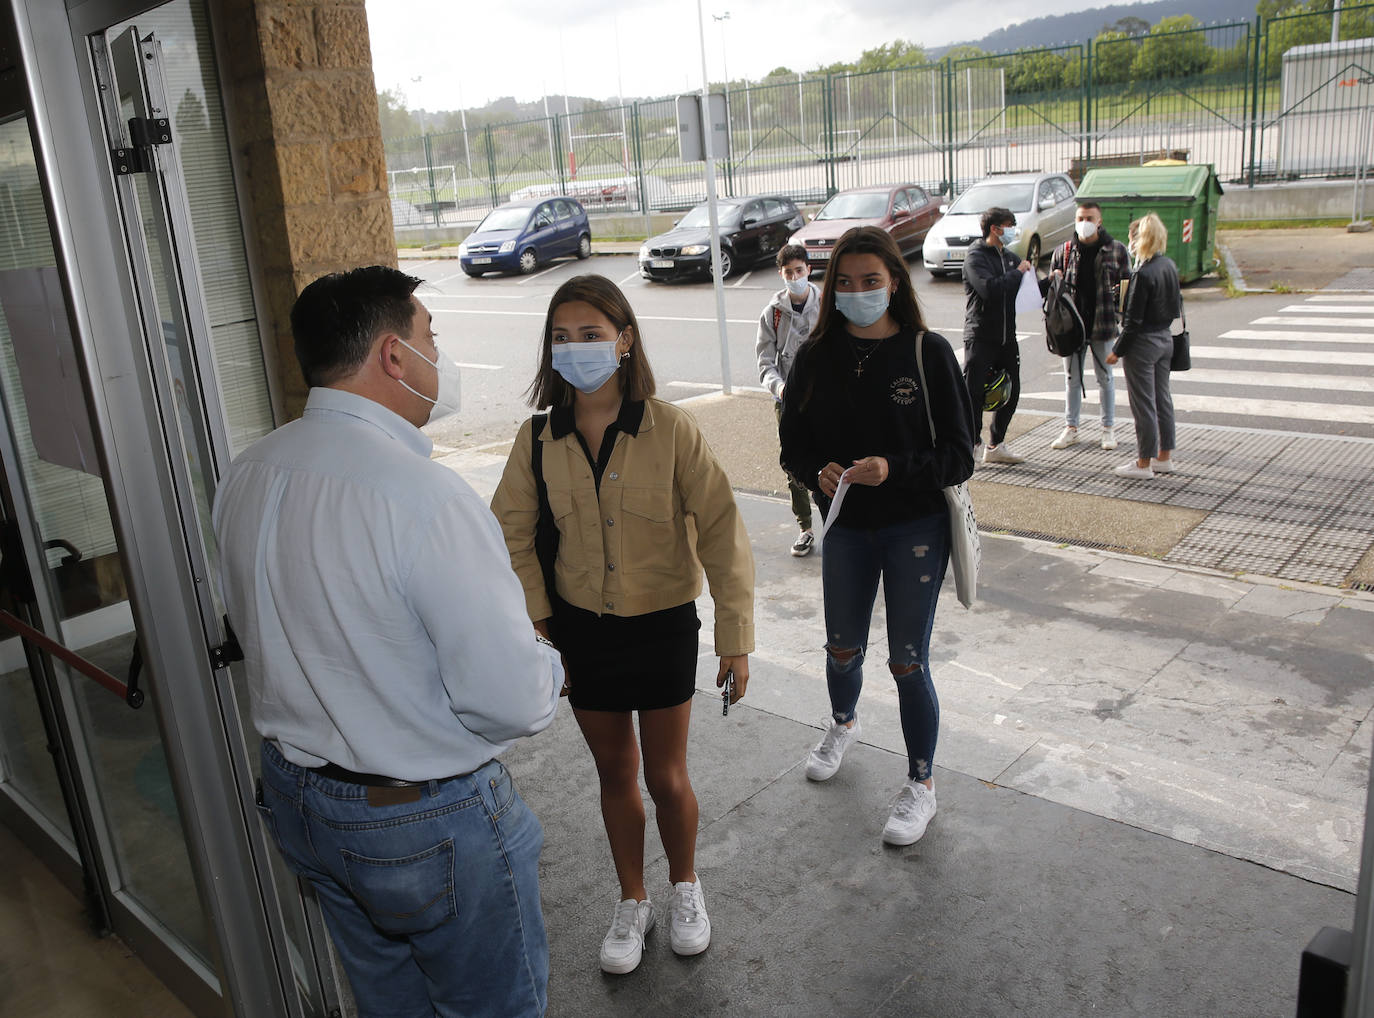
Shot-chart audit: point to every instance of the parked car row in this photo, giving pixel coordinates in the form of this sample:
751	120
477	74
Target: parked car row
522	235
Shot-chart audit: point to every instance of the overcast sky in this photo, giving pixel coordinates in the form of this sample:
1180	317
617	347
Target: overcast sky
484	49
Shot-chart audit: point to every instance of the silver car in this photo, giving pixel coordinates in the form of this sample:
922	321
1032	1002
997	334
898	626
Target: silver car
1044	208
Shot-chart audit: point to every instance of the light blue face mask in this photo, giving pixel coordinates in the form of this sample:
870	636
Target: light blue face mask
797	287
863	308
1009	235
586	366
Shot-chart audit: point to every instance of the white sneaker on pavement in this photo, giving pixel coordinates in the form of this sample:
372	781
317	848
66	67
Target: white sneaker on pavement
624	943
912	808
1129	469
802	546
1163	466
1109	438
1001	454
689	926
824	758
1067	437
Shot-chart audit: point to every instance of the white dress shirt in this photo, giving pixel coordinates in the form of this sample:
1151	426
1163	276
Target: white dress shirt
382	627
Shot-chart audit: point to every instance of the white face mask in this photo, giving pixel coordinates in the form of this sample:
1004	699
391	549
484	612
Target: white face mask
1009	235
797	287
448	397
1086	229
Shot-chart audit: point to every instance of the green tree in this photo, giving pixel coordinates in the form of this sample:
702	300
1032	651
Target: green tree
965	52
893	55
1173	49
1113	54
1041	71
780	72
1129	25
397	121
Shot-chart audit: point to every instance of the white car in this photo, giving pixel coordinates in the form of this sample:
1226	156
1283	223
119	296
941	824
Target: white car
1044	208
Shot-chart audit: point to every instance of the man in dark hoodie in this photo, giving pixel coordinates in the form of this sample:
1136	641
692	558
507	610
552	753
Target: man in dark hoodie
1093	264
992	277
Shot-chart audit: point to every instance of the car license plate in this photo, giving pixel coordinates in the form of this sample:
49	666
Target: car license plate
661	263
956	256
481	261
820	256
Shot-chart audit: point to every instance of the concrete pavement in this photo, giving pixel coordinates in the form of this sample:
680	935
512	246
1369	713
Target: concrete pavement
1151	785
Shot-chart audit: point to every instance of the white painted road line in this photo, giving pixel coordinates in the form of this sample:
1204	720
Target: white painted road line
1307	309
1344	298
630	277
1277	380
1246	353
1284	336
1331	412
1323	322
742	279
542	272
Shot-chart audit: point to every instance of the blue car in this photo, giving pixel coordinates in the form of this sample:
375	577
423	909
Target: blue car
521	235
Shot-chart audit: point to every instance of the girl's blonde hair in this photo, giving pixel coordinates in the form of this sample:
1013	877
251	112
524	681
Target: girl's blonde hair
1149	236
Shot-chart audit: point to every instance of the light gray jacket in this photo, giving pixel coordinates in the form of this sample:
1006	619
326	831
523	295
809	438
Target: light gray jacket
781	332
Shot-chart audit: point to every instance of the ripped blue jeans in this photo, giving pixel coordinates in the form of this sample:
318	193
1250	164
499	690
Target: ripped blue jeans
911	559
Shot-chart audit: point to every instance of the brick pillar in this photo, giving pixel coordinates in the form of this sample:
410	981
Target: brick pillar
299	89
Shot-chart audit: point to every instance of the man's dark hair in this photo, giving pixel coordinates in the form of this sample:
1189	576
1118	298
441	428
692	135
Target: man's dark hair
337	318
995	216
1090	205
791	253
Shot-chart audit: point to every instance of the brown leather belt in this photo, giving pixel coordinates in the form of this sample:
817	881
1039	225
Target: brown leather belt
381	790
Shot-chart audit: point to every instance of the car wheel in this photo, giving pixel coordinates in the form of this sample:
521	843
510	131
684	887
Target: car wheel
529	261
727	263
1033	251
584	246
474	273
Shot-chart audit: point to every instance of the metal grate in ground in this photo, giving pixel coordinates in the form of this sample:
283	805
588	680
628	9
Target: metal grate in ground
1293	507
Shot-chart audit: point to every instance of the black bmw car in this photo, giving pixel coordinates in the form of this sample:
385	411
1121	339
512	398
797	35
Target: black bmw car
752	229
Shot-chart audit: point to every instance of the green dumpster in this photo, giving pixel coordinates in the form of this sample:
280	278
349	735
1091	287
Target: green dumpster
1184	197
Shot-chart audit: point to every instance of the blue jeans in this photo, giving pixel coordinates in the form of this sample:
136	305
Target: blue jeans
433	905
911	558
1106	383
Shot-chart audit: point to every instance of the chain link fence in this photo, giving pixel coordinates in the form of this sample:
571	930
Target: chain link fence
1255	100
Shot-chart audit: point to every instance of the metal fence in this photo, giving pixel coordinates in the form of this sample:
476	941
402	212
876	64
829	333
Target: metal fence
1251	99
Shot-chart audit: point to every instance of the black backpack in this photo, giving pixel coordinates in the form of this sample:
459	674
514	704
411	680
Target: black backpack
1065	333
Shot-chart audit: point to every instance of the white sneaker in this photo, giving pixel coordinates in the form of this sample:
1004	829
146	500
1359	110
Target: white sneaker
1129	469
624	944
1163	466
802	546
978	450
912	809
824	759
689	926
1109	438
1067	437
1001	454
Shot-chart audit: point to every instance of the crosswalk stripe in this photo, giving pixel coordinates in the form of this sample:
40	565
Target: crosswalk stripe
1248	353
1341	298
1277	380
1332	309
1250	407
1324	322
1288	336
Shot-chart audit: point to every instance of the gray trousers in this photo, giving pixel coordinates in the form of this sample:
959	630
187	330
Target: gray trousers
1147	382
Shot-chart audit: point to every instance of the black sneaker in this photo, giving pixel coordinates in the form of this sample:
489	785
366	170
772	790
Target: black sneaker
803	544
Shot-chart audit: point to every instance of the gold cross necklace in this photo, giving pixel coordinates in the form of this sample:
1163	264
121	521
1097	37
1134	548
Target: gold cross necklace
859	368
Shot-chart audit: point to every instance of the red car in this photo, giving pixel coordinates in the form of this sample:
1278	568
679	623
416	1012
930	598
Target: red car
903	210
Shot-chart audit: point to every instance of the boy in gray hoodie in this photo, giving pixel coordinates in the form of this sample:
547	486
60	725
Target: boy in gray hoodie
785	324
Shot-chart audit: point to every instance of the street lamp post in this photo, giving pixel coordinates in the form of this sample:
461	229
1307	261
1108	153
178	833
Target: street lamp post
721	19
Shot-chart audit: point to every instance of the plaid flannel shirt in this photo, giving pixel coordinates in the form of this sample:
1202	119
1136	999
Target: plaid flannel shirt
1113	267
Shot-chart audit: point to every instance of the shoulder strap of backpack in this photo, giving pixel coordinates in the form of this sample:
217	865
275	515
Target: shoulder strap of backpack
541	489
777	318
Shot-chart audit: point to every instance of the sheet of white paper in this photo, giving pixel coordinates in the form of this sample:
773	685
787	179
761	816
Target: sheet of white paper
835	503
1028	297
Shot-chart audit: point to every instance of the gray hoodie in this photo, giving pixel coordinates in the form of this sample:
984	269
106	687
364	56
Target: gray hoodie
781	332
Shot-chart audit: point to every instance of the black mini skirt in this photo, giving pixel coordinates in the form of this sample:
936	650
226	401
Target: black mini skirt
627	663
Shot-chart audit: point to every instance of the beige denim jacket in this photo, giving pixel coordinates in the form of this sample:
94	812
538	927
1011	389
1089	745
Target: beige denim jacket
665	510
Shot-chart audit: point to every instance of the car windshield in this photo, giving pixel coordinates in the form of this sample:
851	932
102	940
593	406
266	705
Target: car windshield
505	219
700	217
872	205
982	197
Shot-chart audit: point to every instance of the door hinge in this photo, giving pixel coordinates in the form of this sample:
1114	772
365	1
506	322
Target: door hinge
145	133
227	652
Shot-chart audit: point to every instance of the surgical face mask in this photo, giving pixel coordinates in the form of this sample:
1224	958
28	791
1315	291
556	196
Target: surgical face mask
448	397
1009	235
865	307
586	366
1086	229
797	287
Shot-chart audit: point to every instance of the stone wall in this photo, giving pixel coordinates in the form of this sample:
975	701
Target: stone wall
303	106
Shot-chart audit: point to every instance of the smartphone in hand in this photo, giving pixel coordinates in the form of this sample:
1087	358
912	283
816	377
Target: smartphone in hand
727	693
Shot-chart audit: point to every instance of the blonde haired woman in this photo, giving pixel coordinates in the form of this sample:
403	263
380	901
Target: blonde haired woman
1146	346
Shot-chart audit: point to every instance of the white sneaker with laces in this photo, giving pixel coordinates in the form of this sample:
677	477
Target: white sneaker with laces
1067	437
1001	454
824	758
624	944
689	926
912	808
1109	438
1129	469
805	541
1163	466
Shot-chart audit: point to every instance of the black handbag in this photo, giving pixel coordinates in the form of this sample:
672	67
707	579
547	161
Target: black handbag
1181	360
545	527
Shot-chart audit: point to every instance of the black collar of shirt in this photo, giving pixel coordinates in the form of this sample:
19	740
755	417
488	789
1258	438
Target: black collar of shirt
562	423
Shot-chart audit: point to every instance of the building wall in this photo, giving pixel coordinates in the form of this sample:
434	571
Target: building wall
303	115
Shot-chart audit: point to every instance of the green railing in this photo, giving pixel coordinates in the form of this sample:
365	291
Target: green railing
1214	94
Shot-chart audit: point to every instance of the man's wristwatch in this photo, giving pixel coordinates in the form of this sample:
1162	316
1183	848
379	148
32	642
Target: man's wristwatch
541	638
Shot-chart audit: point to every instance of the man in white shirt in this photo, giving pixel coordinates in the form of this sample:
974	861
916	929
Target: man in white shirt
389	662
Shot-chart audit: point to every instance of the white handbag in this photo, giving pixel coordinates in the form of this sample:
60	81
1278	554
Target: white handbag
965	549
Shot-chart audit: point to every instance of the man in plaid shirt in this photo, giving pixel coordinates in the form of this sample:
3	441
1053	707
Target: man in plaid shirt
1094	265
